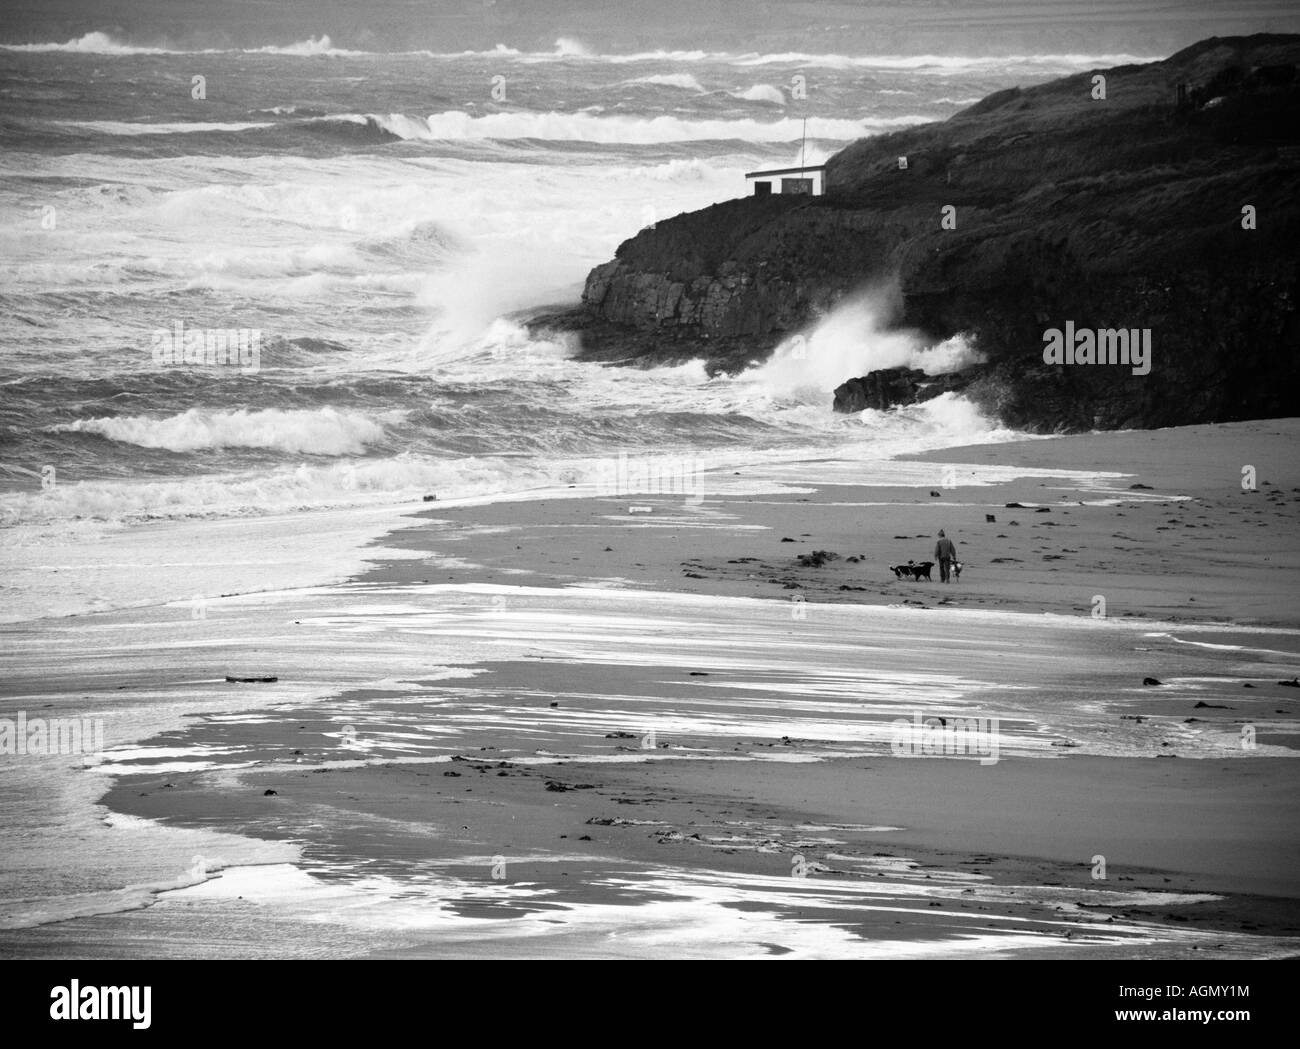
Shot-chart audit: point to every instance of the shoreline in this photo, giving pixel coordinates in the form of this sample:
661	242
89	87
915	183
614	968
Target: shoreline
748	544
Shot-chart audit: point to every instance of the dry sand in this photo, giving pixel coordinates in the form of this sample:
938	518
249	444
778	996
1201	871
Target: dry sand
1193	545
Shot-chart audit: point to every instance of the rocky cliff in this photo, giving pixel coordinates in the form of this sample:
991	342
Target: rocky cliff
1117	212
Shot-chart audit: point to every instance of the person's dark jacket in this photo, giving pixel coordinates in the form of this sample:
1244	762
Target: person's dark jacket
945	550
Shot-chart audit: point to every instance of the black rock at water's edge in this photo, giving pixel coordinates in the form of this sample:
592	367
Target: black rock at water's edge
1117	213
889	387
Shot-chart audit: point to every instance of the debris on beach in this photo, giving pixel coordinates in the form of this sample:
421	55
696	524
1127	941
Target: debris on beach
269	678
817	558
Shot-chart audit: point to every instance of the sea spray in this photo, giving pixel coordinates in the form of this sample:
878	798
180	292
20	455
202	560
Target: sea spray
853	339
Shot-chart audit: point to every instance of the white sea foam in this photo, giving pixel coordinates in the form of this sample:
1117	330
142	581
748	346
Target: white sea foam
455	125
191	127
98	43
324	431
386	482
91	43
763	93
311	46
936	63
852	340
288	261
686	81
568	49
929	63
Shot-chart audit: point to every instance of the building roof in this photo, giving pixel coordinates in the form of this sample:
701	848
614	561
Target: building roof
785	171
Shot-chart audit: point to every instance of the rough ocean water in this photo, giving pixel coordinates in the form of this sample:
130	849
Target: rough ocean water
377	221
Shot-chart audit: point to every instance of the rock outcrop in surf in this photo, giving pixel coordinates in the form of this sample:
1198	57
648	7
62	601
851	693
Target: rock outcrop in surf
1166	203
889	387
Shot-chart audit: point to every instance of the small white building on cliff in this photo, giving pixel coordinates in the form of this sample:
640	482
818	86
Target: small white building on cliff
809	180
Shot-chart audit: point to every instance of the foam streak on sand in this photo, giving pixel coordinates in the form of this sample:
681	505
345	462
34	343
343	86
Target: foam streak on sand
672	913
832	691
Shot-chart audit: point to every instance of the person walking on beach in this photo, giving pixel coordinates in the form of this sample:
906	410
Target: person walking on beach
945	552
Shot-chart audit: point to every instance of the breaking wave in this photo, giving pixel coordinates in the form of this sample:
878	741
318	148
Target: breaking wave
583	127
568	49
685	81
103	44
853	339
762	93
325	431
122	127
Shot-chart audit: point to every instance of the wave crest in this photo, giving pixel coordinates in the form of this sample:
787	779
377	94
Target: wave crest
569	49
762	93
454	125
850	341
325	431
99	43
686	81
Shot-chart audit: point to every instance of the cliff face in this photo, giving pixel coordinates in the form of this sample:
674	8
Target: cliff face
1125	213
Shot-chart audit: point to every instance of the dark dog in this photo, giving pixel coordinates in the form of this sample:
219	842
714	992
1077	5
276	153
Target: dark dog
917	572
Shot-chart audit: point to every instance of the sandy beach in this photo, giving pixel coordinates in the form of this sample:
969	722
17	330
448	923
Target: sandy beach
1187	543
554	727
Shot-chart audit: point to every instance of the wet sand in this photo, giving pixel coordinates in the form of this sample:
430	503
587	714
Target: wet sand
664	749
